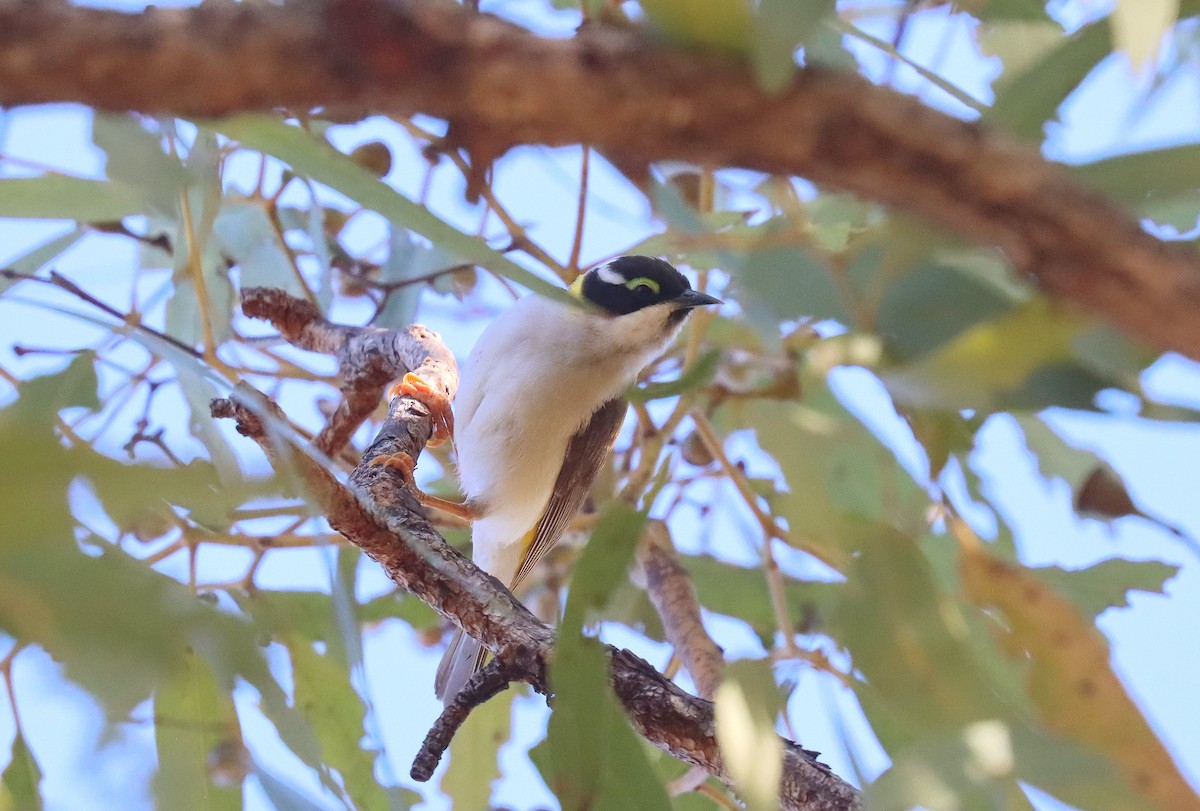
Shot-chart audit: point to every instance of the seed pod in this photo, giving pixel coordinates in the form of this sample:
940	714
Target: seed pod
374	156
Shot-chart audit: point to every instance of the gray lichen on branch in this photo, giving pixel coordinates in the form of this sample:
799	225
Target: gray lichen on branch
380	514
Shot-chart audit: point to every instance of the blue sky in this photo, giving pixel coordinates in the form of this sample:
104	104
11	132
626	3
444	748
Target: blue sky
1156	645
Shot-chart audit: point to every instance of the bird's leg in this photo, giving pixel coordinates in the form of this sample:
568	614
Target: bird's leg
405	464
439	407
456	508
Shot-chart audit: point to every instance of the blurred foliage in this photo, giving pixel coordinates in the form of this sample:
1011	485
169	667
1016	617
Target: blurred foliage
979	675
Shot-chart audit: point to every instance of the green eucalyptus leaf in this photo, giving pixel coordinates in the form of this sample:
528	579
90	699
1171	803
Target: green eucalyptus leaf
780	28
408	262
58	197
1161	184
591	757
928	663
1107	584
1019	43
1029	99
930	304
283	795
741	592
698	375
838	475
244	231
136	159
320	162
723	25
40	256
787	283
746	705
201	757
21	779
474	753
325	696
971	767
1022	360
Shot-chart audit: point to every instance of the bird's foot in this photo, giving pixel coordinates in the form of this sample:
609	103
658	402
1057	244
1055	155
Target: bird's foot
439	406
401	462
405	464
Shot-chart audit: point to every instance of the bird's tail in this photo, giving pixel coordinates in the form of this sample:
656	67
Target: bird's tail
461	661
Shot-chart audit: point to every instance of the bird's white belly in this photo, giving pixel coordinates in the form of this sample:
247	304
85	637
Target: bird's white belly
509	457
536	376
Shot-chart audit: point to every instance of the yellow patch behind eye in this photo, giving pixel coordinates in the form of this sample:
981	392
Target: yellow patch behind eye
576	287
643	281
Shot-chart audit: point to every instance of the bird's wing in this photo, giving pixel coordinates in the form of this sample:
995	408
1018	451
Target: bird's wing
586	452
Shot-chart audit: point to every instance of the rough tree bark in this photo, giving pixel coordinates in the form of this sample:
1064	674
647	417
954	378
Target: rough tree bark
379	513
633	98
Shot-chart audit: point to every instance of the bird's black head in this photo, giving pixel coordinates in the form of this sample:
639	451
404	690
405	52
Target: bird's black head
631	283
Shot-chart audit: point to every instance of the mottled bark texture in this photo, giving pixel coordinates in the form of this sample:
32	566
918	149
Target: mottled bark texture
634	99
380	514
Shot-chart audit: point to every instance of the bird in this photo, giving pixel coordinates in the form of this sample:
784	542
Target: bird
539	405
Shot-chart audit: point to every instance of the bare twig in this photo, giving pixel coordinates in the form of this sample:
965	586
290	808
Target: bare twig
490	681
63	283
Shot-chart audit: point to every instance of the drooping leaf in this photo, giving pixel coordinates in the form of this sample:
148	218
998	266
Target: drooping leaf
135	158
1023	360
928	665
58	197
1070	680
41	255
21	779
838	475
117	627
283	795
1138	27
408	261
746	705
779	284
316	159
971	767
244	232
741	592
1107	584
1019	43
724	25
201	758
930	304
591	758
326	726
696	376
780	28
1160	184
998	10
1029	99
325	696
474	753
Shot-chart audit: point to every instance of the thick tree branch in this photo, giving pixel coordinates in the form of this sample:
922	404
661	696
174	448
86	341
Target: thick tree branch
635	100
380	515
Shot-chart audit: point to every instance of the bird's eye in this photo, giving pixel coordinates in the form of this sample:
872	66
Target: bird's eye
644	287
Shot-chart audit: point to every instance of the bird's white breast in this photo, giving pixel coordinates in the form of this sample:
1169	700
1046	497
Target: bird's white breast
537	373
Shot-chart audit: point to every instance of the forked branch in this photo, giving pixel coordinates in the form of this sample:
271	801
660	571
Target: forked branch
379	513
